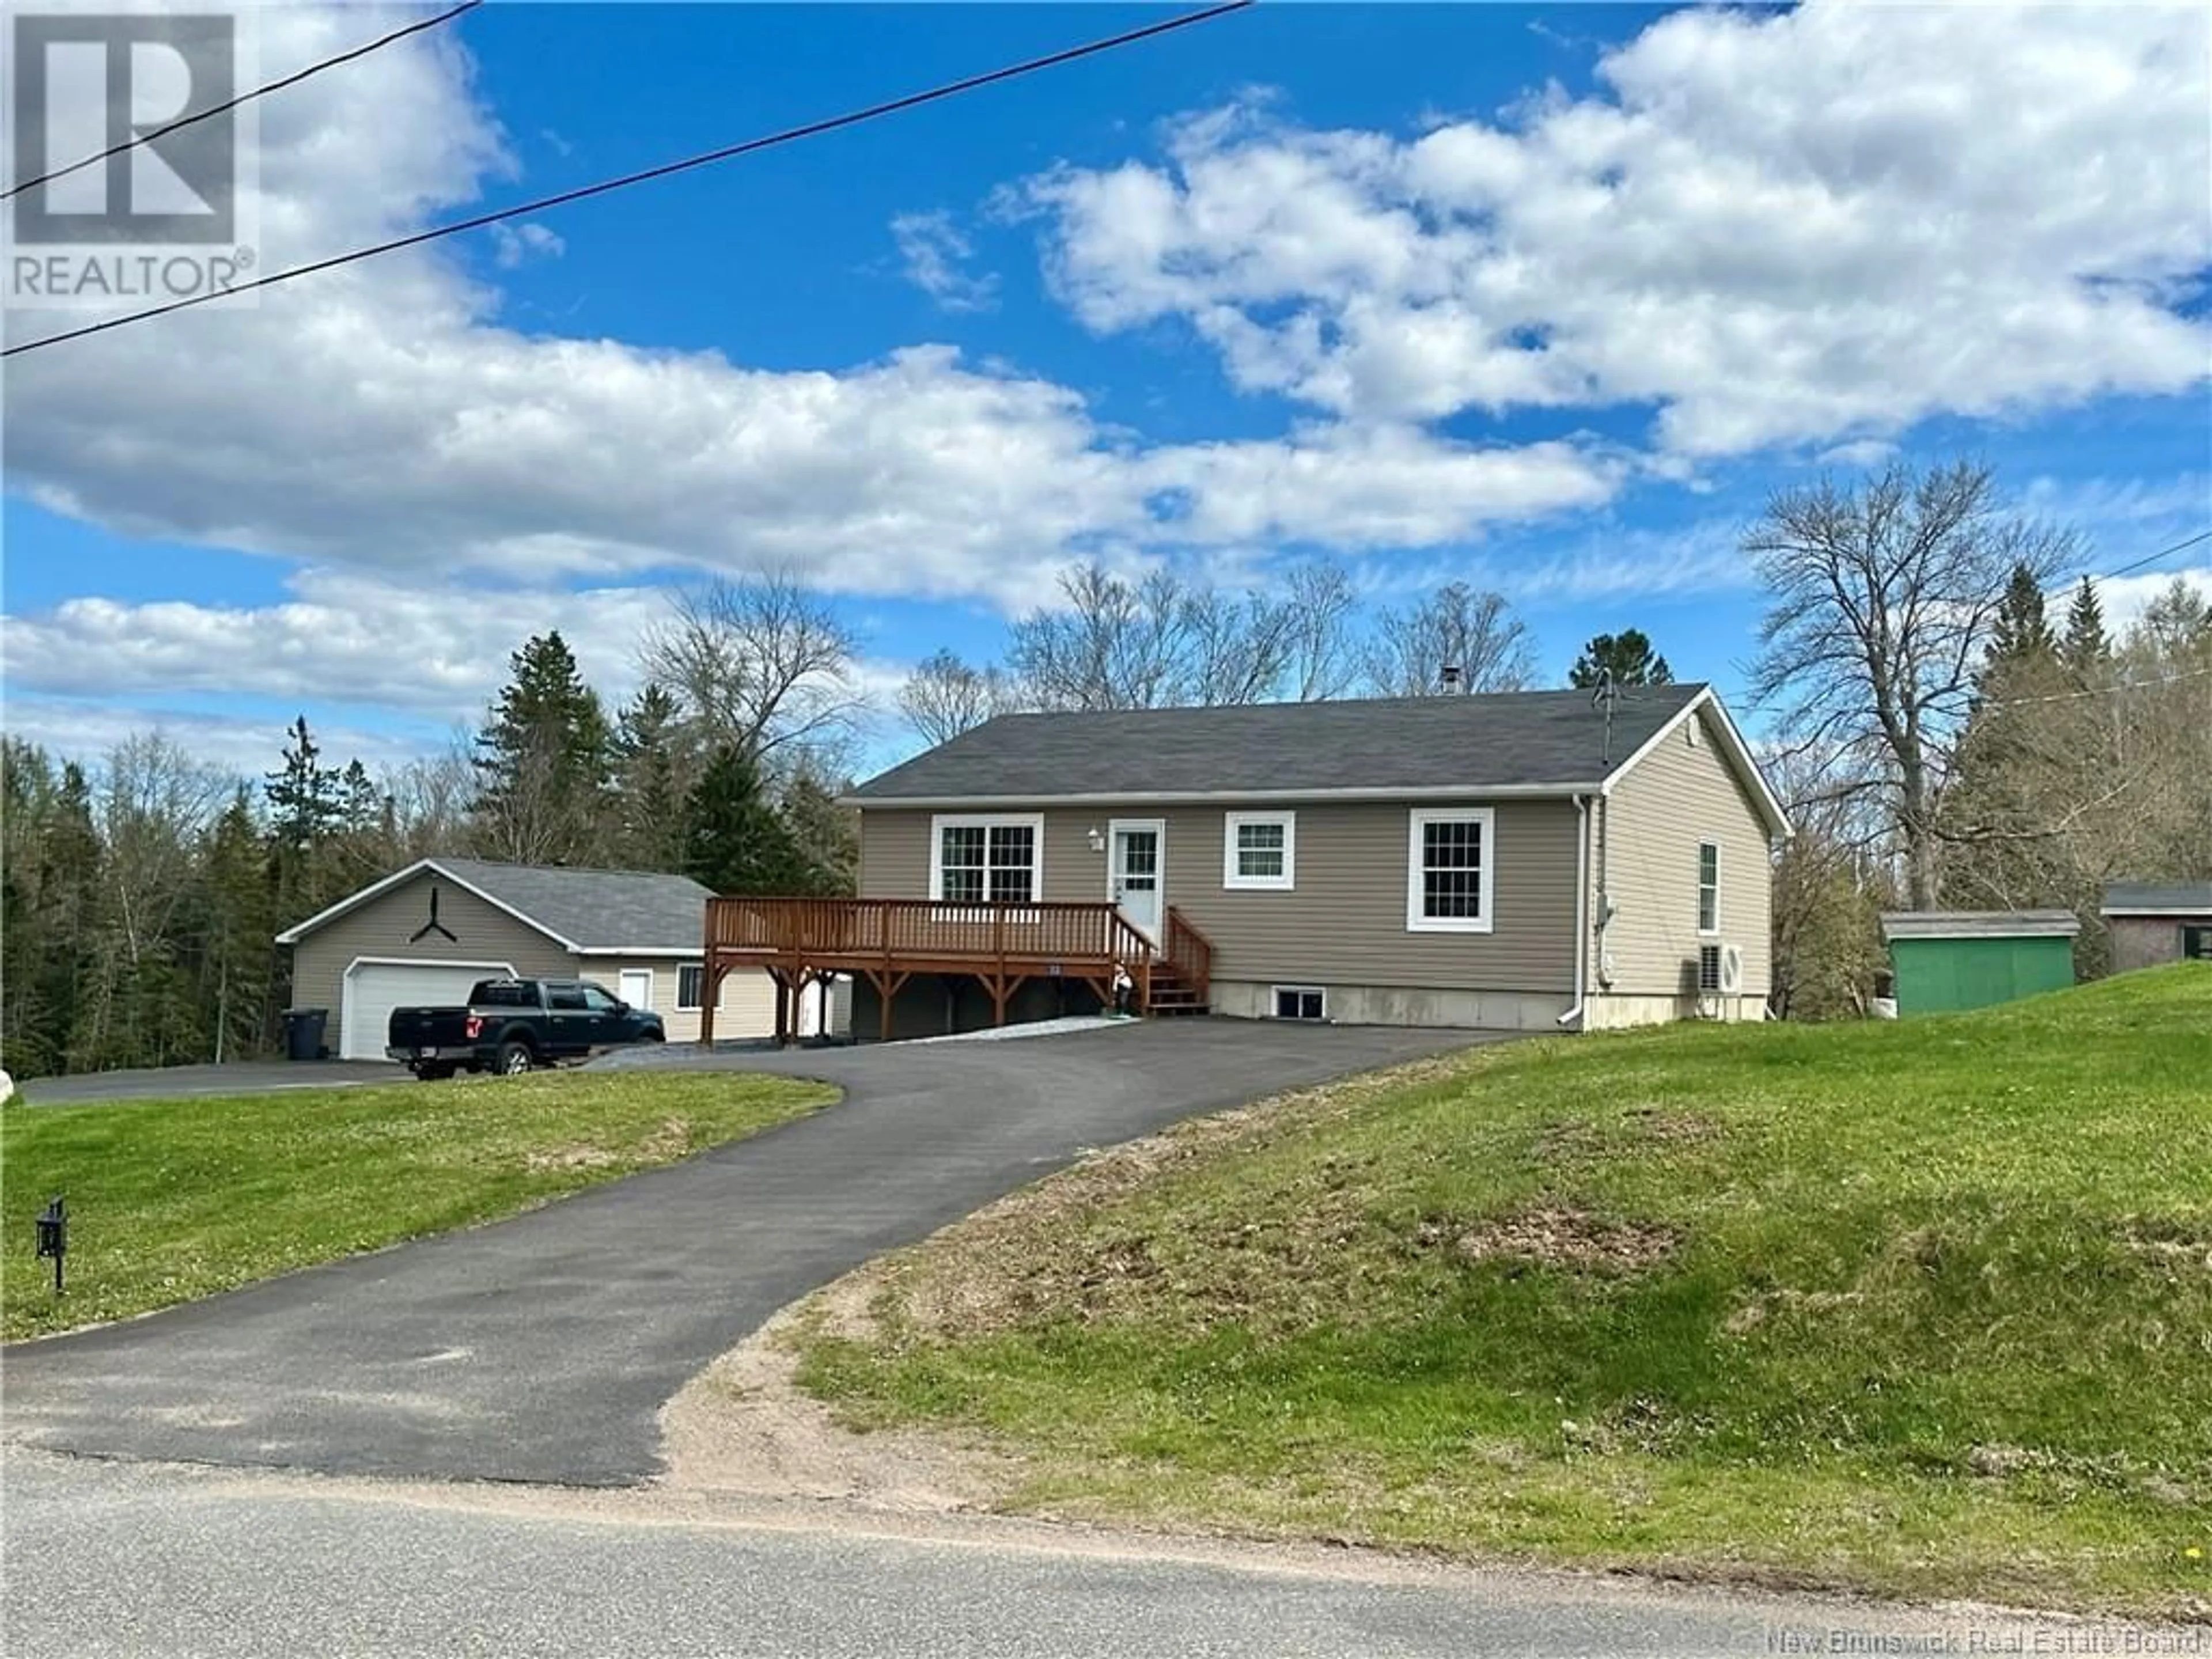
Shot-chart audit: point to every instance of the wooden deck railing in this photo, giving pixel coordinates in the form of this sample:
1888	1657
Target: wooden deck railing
819	929
1190	953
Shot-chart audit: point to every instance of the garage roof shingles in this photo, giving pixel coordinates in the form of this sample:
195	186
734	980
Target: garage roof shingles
592	909
1505	740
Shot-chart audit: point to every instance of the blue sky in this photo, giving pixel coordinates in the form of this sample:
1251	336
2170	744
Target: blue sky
1548	298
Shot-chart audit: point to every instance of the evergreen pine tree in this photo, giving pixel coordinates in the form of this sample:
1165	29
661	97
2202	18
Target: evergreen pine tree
2086	650
237	956
648	782
735	841
542	762
825	834
1627	655
2021	633
307	810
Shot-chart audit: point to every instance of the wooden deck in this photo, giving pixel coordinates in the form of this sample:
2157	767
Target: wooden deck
800	941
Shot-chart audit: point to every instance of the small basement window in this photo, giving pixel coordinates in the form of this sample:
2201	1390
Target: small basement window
1301	1002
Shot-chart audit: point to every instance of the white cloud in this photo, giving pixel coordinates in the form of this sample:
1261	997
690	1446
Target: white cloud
378	419
937	253
2125	598
247	749
344	638
1815	226
512	244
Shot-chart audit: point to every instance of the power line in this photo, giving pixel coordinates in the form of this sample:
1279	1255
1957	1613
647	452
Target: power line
2151	558
811	129
292	80
2116	688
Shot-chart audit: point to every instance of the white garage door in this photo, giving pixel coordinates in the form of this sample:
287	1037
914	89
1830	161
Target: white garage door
374	989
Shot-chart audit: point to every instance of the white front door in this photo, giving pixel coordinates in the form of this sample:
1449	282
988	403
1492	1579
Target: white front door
1135	870
637	988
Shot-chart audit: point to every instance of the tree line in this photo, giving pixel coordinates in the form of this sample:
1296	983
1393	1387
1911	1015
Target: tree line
142	895
1938	739
1163	641
1942	743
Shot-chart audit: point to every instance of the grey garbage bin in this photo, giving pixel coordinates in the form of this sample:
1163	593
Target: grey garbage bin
303	1032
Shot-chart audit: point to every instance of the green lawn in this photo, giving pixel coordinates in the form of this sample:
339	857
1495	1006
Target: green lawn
1919	1309
174	1200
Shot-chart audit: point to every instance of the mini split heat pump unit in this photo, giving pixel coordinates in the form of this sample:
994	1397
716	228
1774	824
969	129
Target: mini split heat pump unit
1720	974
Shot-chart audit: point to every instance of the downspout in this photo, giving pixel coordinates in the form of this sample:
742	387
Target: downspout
1573	1016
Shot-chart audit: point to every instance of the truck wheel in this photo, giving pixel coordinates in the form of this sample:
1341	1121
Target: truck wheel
515	1058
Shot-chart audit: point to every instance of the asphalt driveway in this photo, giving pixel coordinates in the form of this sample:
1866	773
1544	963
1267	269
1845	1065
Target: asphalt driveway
542	1348
258	1077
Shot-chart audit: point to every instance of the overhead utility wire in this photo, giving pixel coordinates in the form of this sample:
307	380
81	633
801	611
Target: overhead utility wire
292	80
812	129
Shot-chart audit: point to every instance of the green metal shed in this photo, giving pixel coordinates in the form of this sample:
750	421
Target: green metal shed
1947	960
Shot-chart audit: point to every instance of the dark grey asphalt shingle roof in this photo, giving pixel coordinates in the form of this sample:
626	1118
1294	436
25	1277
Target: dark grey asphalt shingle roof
595	909
1522	739
2192	898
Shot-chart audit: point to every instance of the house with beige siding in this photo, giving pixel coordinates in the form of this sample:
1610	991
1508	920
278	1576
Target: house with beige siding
426	933
1531	860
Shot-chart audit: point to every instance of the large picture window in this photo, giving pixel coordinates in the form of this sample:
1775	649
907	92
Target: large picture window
1259	849
1448	871
987	861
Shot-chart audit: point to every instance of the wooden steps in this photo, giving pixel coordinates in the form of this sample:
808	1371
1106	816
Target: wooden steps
1173	995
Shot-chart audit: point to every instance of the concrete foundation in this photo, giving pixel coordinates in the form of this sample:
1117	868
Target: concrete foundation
1399	1005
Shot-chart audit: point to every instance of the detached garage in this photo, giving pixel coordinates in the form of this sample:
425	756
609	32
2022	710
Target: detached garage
429	932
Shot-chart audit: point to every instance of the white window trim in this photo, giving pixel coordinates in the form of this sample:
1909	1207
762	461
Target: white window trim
1233	879
940	822
1713	932
1275	998
682	1007
1418	820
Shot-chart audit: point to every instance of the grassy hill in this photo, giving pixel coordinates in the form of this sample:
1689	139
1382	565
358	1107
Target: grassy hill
1920	1308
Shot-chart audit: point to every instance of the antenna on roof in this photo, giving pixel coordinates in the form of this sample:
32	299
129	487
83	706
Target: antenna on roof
1450	677
1606	695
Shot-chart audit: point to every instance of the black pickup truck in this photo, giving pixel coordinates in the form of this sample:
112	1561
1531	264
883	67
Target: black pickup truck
511	1025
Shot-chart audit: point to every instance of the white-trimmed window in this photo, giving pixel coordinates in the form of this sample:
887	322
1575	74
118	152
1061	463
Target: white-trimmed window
1450	863
1708	887
1259	849
1301	1002
981	859
690	986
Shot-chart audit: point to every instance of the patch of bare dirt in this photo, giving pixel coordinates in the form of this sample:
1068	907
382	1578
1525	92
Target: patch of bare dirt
665	1145
745	1427
1008	1261
572	1157
1573	1140
1751	1314
1557	1236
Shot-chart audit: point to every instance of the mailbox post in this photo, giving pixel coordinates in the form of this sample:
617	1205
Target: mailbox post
53	1237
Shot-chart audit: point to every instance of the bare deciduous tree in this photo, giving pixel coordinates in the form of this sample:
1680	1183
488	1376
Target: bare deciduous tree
1884	598
1831	884
1115	644
1458	628
761	663
944	696
1323	609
